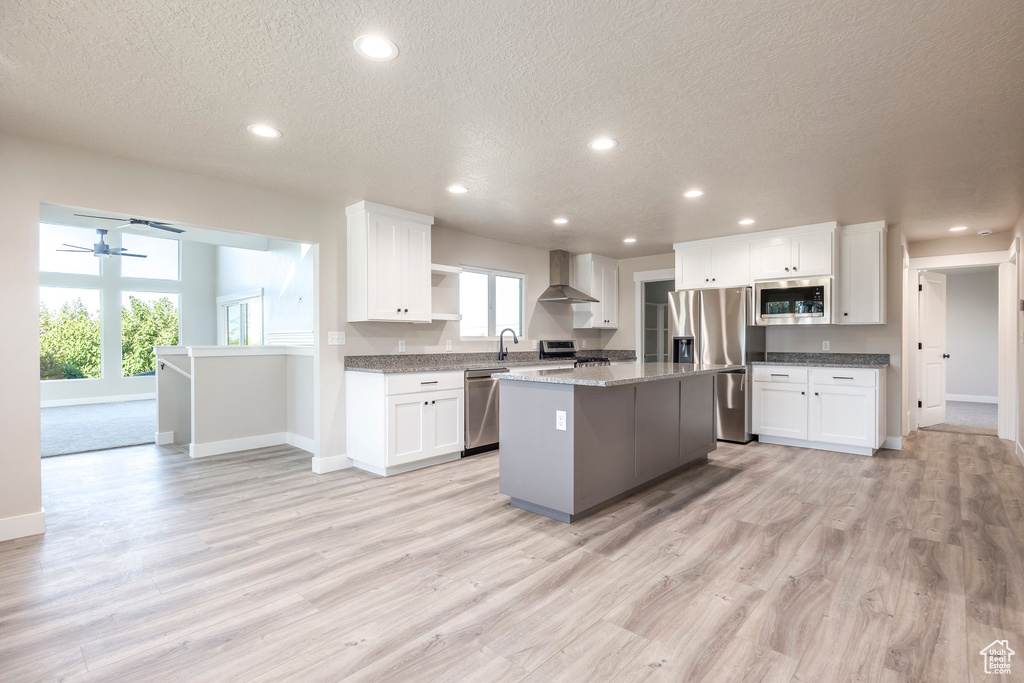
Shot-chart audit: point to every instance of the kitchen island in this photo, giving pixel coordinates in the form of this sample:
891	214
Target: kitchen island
574	441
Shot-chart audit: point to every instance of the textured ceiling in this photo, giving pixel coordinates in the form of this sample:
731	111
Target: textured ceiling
790	111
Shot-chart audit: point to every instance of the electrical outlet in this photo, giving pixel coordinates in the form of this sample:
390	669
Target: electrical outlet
447	344
560	420
824	346
335	338
534	344
401	346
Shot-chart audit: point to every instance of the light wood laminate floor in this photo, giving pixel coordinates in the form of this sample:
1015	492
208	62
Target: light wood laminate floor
769	563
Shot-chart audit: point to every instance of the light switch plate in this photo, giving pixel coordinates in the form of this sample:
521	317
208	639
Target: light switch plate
534	344
824	346
401	346
335	338
447	344
560	420
584	343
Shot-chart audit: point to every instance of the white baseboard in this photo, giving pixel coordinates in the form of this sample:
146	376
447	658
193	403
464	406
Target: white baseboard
970	398
331	463
164	438
800	443
58	402
204	450
31	524
893	443
303	442
407	467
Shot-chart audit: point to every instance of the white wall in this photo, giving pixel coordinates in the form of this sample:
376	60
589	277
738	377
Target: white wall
198	324
972	334
285	273
966	244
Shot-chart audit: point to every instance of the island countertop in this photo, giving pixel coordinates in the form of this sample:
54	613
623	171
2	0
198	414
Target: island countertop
617	375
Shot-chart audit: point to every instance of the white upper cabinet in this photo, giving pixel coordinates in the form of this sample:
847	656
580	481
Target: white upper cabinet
597	276
721	265
740	260
388	264
792	256
862	274
812	254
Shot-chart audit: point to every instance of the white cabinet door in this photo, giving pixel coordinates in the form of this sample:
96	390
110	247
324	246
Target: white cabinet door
415	272
384	267
770	258
610	295
861	278
693	268
408	428
780	409
843	415
730	265
446	417
811	254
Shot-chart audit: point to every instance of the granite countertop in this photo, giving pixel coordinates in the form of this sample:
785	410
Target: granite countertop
617	375
827	360
438	362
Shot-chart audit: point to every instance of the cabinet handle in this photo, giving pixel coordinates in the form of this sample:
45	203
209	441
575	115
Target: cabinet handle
787	269
707	280
433	402
431	382
945	355
407	310
794	269
846	314
803	393
815	393
714	280
849	379
425	403
778	375
398	310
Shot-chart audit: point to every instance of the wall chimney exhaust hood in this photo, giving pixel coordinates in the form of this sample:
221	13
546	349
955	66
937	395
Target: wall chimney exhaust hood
560	291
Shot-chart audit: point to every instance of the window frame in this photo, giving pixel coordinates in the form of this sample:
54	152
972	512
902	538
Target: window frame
225	302
120	268
492	331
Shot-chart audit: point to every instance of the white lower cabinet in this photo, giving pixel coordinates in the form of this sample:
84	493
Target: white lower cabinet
835	409
400	422
781	409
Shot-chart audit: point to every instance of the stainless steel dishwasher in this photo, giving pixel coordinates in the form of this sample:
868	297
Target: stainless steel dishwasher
481	411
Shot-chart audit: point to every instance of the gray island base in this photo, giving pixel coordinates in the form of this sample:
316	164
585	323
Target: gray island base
575	441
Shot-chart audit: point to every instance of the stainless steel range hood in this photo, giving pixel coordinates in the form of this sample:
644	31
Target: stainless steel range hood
560	291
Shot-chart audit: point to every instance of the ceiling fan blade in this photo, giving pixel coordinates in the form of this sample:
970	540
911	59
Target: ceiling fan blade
106	218
76	251
75	246
164	226
132	255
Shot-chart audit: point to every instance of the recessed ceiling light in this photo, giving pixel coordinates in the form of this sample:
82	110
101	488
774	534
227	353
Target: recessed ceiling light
602	144
692	194
629	240
458	189
377	48
560	221
747	221
959	228
264	131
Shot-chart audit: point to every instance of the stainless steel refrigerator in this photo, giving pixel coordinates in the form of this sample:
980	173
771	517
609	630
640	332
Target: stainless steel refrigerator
717	326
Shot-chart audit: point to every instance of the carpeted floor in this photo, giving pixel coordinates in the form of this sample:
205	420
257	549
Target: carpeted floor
969	418
73	429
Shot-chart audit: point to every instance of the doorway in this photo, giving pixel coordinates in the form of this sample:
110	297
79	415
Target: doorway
968	404
959	355
652	328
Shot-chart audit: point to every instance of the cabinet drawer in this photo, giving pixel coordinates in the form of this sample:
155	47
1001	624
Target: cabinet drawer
851	377
412	382
783	374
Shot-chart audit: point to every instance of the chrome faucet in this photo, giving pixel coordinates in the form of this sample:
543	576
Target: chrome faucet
502	351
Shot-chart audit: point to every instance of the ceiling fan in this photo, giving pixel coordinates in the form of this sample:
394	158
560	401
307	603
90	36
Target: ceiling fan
136	223
101	249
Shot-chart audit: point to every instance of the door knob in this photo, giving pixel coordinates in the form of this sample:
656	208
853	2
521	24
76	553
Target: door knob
945	355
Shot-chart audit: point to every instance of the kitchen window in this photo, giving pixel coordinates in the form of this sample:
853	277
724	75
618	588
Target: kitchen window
490	301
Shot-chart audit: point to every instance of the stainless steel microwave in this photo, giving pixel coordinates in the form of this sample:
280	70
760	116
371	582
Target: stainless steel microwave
793	302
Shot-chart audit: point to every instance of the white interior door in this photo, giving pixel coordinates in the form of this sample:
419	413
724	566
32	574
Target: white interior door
932	326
